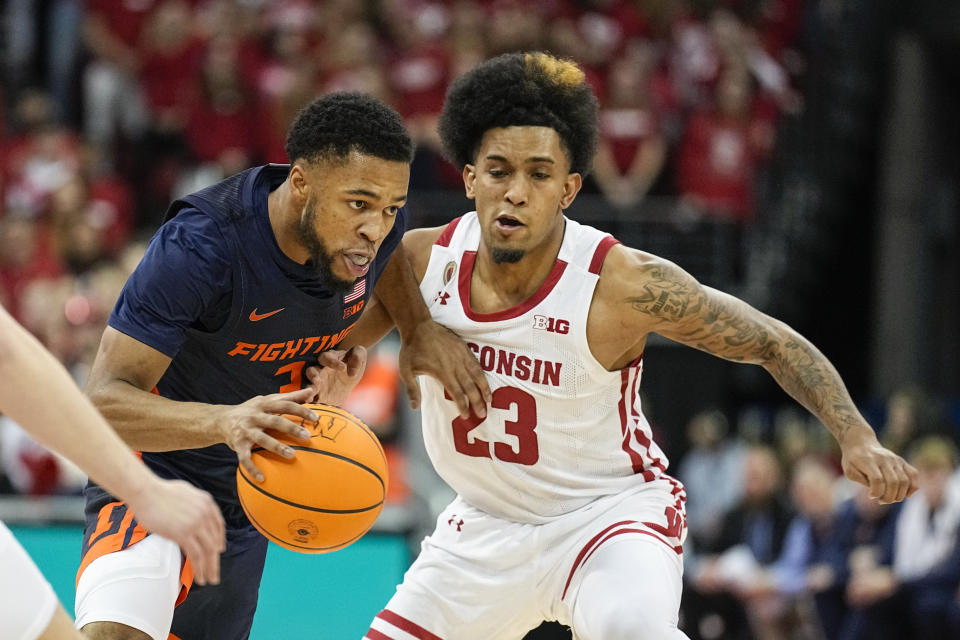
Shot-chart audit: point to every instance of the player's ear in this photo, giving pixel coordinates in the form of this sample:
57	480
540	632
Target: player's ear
299	186
571	187
469	177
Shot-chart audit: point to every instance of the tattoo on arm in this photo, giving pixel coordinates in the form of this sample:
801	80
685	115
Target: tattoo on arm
724	326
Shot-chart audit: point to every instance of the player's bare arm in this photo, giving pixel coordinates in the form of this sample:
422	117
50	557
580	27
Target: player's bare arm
175	510
427	347
640	293
124	372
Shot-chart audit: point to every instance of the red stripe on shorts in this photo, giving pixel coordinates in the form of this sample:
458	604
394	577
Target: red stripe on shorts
373	634
407	625
586	548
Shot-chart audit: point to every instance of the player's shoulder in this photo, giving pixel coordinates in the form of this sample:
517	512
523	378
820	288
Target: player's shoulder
625	269
418	244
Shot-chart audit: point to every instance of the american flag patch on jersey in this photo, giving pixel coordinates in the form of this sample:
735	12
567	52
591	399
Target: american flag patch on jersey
358	290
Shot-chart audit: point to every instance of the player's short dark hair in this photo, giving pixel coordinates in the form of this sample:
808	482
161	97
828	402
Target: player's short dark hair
336	124
521	89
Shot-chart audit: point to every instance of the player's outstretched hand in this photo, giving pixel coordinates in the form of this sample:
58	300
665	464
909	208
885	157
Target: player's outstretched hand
242	426
438	352
889	477
180	512
337	373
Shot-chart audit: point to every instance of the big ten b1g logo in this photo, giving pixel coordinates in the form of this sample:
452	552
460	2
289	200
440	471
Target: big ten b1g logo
554	325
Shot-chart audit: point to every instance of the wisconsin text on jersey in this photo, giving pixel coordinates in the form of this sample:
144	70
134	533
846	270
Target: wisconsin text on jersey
290	349
517	366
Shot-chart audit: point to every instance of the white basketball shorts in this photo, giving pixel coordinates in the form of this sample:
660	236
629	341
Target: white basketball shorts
27	600
478	576
137	586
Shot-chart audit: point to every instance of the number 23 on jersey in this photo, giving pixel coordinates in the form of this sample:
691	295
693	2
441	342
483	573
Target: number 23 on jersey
523	428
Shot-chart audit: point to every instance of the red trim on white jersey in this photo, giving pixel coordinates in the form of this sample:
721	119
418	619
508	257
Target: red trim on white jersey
635	458
444	239
466	271
407	626
600	253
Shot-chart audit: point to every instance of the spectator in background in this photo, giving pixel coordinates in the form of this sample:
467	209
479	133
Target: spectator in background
418	72
751	535
25	256
861	539
777	596
903	422
632	148
712	471
39	158
113	96
222	122
914	596
721	150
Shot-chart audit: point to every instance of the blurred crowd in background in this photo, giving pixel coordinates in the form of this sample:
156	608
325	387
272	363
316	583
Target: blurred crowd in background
111	108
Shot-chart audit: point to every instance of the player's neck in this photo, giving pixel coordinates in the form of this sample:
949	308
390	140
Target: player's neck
496	286
279	210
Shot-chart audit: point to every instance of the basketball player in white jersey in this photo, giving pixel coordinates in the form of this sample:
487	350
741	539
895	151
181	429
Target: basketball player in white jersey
39	395
564	508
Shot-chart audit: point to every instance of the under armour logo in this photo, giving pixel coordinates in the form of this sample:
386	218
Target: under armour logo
455	522
442	297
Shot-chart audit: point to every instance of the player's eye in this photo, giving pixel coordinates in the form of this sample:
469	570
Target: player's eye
358	205
540	175
392	211
497	173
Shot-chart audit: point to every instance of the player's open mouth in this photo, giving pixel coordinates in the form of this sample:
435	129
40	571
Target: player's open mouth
507	224
358	263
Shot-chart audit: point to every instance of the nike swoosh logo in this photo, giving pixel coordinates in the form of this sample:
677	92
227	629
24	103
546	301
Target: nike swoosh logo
256	317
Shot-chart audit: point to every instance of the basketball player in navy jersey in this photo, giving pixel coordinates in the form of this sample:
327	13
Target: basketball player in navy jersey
564	508
29	378
243	288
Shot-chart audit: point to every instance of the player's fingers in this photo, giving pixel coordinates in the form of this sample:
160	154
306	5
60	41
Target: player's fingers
854	474
356	360
213	543
197	561
476	403
412	387
459	396
273	445
332	358
890	483
478	377
284	402
912	475
902	481
243	457
283	425
874	481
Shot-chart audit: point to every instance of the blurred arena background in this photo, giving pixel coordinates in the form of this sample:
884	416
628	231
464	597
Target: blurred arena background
801	154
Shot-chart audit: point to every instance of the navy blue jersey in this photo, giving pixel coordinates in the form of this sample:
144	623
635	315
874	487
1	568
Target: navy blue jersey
236	315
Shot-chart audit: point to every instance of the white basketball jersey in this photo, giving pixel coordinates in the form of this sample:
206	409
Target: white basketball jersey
562	430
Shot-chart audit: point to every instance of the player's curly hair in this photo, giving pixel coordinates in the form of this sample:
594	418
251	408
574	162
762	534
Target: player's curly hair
334	125
521	89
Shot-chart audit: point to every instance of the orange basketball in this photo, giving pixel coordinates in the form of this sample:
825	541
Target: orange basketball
328	495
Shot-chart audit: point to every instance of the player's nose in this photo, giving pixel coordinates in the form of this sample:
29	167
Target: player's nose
517	191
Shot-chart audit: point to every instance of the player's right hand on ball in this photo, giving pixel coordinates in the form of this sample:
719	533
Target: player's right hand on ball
242	426
188	516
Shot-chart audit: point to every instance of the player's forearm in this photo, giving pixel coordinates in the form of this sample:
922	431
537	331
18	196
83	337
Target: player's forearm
149	422
39	395
373	325
399	294
806	374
